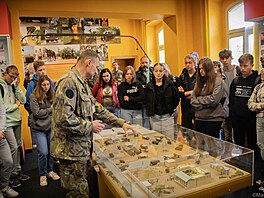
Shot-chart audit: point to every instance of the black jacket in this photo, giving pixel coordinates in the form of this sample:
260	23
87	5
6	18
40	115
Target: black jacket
169	92
187	84
142	78
240	92
135	93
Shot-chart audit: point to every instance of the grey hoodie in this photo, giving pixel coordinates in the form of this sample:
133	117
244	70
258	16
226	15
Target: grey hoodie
208	107
41	113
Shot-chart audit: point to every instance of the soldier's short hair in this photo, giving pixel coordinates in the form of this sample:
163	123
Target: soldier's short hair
38	64
12	69
246	58
225	53
87	54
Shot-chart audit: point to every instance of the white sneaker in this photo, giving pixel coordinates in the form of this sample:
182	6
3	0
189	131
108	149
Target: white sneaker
53	175
9	192
43	181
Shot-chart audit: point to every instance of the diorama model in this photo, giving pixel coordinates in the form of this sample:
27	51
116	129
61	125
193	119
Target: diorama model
154	165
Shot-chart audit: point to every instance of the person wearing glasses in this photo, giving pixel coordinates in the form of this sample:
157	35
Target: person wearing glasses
13	97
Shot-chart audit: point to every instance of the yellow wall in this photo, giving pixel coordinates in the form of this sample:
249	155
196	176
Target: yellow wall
189	25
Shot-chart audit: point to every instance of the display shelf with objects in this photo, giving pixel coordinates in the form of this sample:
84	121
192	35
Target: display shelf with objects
154	165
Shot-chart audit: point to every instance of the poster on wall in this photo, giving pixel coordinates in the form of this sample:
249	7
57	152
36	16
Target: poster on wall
48	27
103	30
262	38
59	54
5	54
101	49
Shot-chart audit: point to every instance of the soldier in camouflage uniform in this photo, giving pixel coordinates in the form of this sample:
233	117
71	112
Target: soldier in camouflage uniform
75	118
117	74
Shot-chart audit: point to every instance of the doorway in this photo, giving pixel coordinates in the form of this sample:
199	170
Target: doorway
125	61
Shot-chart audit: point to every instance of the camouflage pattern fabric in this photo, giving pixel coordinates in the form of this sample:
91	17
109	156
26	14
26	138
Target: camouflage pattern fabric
118	76
74	177
74	109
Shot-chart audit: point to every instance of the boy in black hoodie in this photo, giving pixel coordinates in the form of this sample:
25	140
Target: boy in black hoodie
241	88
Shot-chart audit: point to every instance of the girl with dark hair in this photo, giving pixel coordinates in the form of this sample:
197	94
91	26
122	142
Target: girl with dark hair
162	100
105	92
131	97
206	99
41	107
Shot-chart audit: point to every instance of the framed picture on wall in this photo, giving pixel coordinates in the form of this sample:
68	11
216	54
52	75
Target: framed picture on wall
262	38
5	52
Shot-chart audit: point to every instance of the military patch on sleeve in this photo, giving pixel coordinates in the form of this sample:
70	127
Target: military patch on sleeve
69	93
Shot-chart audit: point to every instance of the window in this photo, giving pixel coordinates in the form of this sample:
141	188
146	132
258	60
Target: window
161	46
240	33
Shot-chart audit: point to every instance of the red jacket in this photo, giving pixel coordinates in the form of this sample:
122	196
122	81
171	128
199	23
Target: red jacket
98	93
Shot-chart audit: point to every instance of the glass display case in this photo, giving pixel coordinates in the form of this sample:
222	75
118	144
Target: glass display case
155	165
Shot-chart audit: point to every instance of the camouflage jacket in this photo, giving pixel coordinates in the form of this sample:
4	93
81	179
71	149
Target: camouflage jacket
74	109
118	75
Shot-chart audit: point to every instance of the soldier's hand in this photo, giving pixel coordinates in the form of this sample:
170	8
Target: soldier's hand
98	126
126	127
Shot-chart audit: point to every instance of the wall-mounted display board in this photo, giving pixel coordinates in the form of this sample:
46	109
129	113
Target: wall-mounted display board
56	49
5	51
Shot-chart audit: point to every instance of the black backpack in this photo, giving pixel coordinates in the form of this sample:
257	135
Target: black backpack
257	80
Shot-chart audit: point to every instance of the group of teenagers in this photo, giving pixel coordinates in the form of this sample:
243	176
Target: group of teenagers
38	102
214	95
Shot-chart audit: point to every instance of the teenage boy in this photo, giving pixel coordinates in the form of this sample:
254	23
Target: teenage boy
13	97
243	120
40	70
186	83
230	72
117	73
5	158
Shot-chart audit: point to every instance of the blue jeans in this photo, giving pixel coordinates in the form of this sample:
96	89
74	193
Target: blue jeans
45	161
114	110
132	116
163	124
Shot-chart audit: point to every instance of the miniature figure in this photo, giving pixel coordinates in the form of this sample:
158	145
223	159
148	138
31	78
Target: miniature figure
145	137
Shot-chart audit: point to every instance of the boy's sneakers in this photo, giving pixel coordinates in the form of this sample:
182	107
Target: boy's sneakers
53	175
9	192
22	176
43	181
14	182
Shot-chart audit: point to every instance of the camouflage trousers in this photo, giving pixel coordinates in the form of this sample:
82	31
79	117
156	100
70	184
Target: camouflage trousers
75	176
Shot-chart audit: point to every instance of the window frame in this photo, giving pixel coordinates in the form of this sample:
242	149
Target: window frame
161	47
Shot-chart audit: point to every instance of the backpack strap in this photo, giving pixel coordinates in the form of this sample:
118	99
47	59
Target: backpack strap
257	80
14	89
235	80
